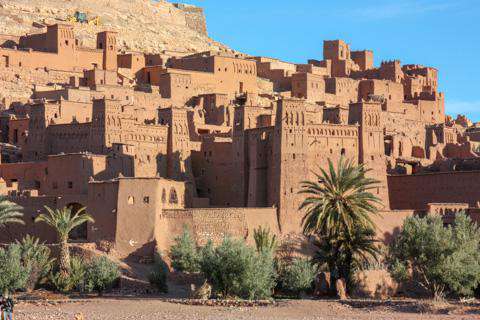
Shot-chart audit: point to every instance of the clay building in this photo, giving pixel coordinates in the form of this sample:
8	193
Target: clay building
219	142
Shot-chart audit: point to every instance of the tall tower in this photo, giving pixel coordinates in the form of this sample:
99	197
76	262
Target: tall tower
372	145
178	147
60	39
289	167
107	41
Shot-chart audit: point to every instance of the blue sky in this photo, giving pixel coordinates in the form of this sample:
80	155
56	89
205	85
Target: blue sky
439	33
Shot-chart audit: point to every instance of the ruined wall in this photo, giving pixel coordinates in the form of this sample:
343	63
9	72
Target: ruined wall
194	17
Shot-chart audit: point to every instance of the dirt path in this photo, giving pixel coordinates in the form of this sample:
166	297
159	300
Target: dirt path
304	310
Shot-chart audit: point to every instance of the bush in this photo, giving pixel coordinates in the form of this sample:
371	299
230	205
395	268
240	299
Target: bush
74	280
441	259
37	256
234	269
298	276
158	276
264	241
184	254
101	274
13	273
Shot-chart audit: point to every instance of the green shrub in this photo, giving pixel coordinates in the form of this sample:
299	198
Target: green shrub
14	273
298	276
440	259
37	256
259	277
234	269
101	274
184	254
264	241
74	280
158	275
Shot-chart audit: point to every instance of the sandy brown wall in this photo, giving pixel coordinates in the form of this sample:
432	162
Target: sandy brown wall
416	191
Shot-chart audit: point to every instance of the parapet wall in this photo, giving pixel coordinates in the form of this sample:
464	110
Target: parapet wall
213	224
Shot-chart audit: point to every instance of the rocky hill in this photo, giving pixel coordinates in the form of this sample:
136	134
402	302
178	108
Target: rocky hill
143	25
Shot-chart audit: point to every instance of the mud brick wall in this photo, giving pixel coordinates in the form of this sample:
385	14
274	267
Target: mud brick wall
213	224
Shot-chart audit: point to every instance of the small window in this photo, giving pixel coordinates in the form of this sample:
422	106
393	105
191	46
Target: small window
70	184
131	200
164	196
173	196
146	199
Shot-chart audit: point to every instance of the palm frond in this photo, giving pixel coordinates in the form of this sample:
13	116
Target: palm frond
339	200
63	221
10	212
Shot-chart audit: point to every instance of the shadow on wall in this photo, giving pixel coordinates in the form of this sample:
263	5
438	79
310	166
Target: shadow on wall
8	44
388	237
146	251
374	284
295	245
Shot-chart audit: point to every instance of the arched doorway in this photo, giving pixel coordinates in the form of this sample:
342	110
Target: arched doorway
79	233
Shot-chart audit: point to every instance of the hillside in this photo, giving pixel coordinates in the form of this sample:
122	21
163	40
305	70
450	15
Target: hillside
143	25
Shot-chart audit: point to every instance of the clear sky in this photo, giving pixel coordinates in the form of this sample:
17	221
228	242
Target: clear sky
444	34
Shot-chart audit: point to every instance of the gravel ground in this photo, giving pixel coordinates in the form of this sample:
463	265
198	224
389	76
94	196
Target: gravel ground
119	309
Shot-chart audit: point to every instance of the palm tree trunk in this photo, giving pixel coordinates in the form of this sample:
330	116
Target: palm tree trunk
334	271
347	271
64	262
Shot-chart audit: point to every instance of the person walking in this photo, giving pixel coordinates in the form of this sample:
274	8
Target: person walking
7	307
1	307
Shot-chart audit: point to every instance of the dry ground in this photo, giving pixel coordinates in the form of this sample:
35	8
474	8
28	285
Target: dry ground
123	309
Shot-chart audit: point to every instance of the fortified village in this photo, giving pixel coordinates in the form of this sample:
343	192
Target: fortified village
218	141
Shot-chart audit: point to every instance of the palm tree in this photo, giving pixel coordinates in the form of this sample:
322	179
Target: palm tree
339	201
10	212
63	221
338	206
343	254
